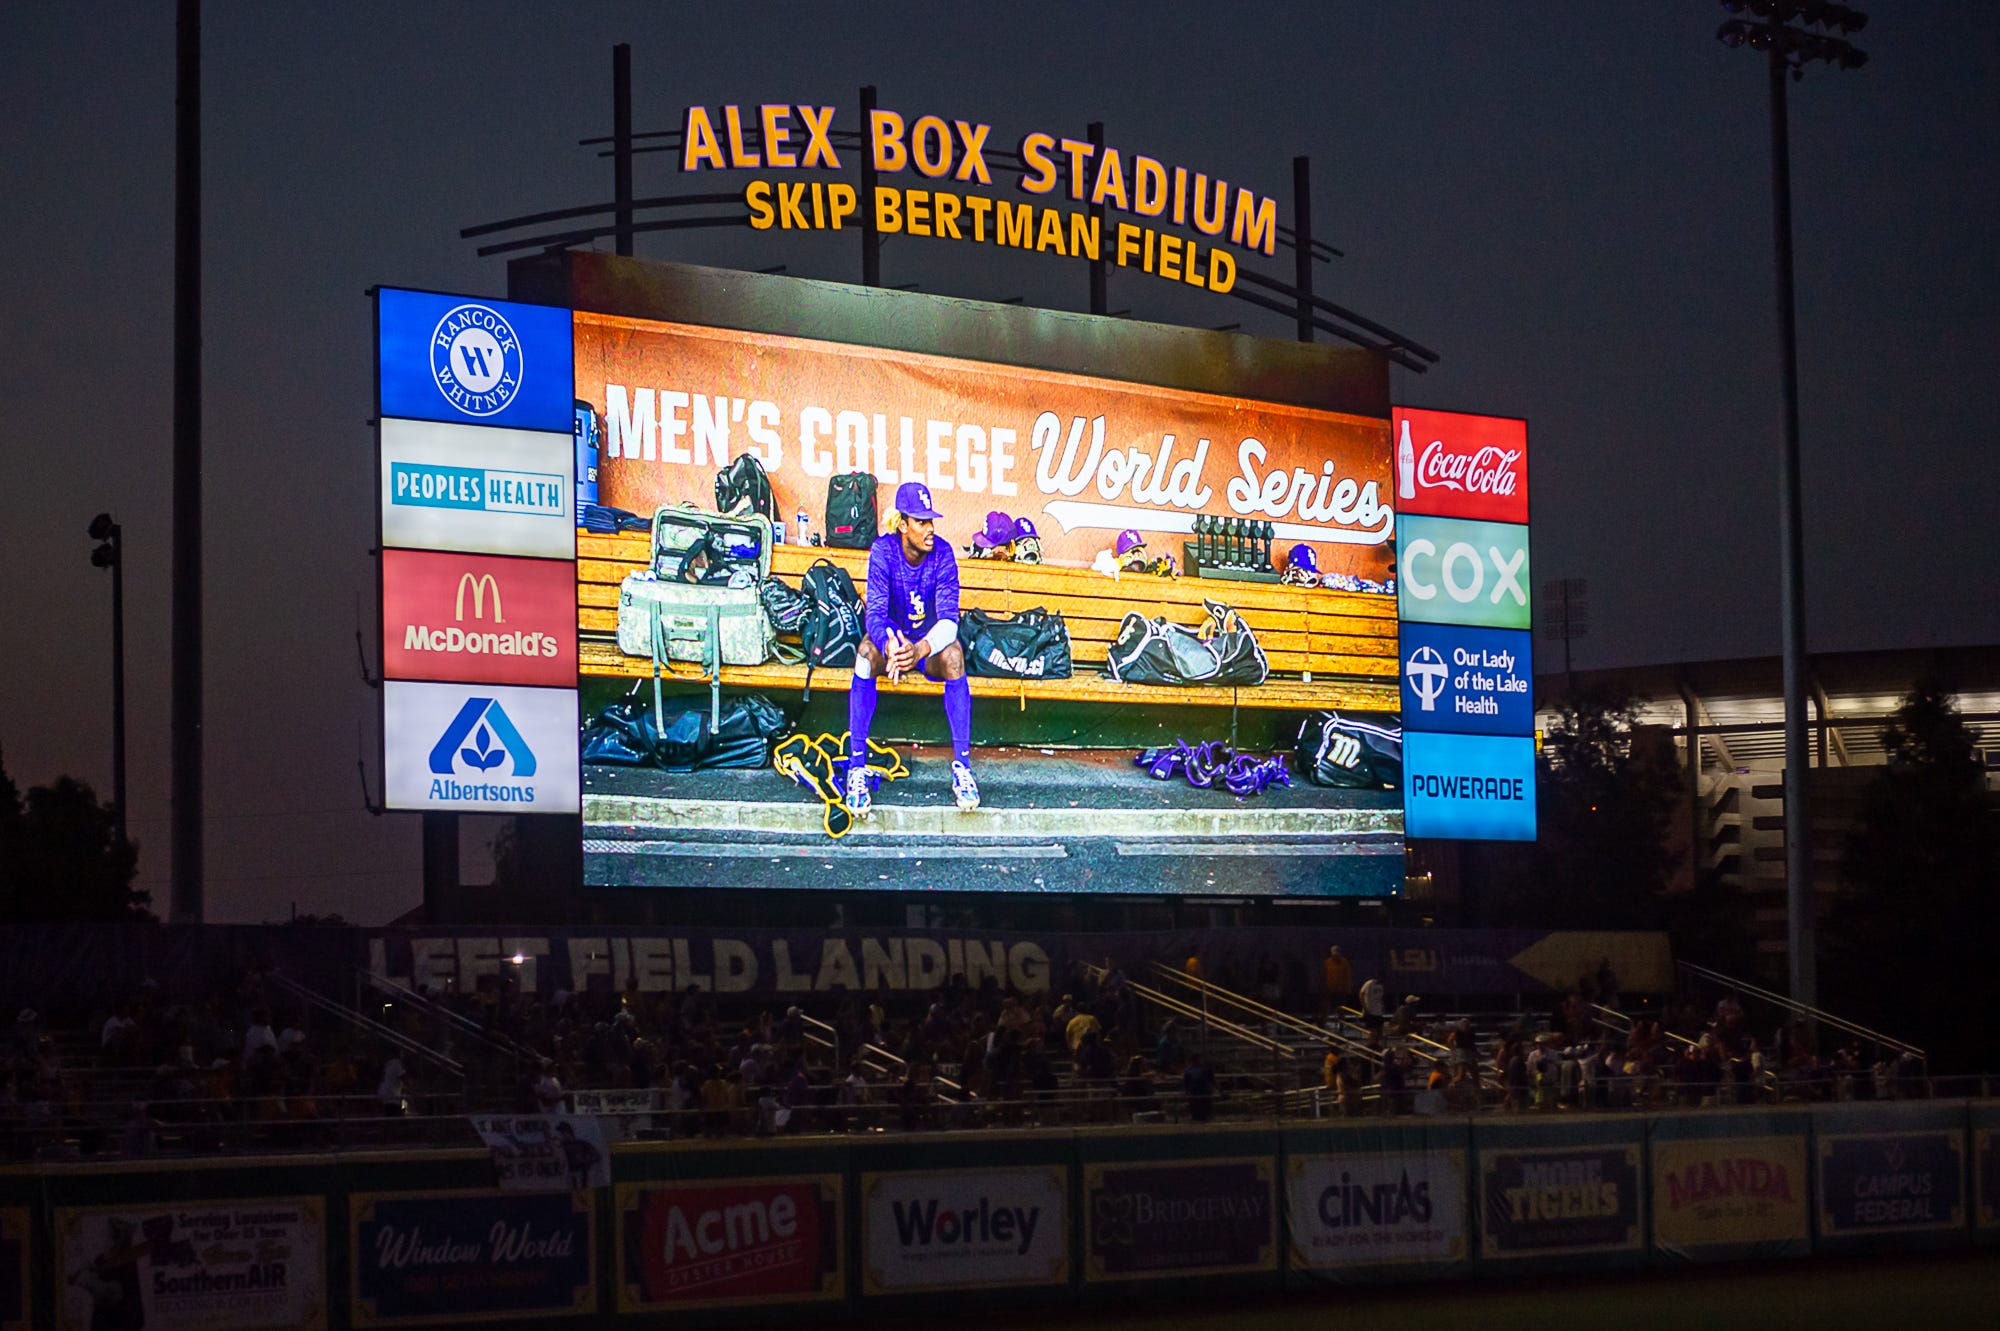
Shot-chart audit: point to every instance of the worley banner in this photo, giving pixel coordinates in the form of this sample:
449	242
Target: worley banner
427	1256
1146	1220
727	1242
1889	1183
964	1229
1082	458
1376	1208
1730	1196
192	1266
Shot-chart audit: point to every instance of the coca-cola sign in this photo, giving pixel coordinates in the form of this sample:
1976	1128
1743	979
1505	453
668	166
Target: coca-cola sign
1452	465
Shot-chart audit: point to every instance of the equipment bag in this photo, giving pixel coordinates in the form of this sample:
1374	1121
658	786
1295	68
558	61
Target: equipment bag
830	629
1222	650
1362	751
699	601
742	487
630	733
1033	644
850	511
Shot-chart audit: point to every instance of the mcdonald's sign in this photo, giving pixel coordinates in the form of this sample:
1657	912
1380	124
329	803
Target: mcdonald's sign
478	619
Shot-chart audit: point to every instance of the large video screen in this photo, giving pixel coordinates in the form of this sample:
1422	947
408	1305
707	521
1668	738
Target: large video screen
1081	623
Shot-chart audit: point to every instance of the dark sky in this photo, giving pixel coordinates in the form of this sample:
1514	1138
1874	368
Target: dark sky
1569	201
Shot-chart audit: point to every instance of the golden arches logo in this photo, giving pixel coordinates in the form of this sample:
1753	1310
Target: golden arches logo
480	584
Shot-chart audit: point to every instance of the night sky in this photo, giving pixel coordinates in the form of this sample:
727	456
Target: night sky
1569	201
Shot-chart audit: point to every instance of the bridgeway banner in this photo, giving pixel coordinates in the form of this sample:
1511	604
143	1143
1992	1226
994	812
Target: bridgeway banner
192	1266
1745	1195
1571	1200
1147	1220
1376	1208
546	1152
729	1242
970	1229
1891	1183
429	1256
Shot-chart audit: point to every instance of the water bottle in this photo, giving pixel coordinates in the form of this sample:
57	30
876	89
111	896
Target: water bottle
778	532
805	527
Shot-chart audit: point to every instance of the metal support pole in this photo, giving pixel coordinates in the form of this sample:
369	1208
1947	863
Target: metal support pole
1100	299
1302	229
621	145
871	239
118	686
186	704
1799	899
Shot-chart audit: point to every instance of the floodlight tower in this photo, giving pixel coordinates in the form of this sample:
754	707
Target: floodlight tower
1793	34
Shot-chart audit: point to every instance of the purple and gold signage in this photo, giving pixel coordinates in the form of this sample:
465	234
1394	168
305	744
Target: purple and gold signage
1149	1220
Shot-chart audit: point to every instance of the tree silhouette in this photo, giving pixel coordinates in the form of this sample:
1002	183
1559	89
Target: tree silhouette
1909	946
60	859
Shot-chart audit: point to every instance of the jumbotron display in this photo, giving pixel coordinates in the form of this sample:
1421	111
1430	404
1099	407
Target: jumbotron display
1023	602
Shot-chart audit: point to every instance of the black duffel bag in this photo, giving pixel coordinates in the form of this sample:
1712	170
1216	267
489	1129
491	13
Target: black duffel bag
1363	750
1221	650
628	734
1033	644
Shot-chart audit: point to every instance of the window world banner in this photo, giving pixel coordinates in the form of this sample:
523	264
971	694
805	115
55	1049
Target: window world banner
427	1256
1154	1220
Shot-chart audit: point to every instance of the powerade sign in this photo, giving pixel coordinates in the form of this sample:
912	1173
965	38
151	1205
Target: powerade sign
1469	787
1450	571
489	362
472	746
1475	681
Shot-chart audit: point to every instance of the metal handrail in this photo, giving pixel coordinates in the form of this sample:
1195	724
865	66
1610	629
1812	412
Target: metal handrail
898	1066
1182	1008
465	1025
1820	1015
813	1027
387	1034
1604	1011
1274	1016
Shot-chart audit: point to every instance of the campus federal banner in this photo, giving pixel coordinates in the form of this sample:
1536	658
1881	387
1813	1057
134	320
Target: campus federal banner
473	1254
1549	1202
1724	1198
729	1242
1376	1208
13	1268
964	1229
1146	1220
546	1152
1891	1183
192	1266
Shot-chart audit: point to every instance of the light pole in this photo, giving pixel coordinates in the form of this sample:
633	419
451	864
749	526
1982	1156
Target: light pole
1784	31
110	553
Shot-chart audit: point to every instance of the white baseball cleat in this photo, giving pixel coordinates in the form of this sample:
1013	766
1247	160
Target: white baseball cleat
964	789
860	802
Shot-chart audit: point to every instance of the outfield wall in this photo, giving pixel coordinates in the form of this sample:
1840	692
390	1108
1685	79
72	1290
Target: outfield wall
758	1231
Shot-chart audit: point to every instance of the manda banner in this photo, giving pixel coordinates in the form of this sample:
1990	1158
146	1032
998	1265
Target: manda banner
192	1266
729	1242
1897	1183
973	1229
421	1257
1173	1220
1542	1203
1365	1209
1730	1196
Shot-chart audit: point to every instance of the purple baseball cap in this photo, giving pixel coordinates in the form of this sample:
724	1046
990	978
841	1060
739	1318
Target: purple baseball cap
999	531
913	500
1024	528
1130	540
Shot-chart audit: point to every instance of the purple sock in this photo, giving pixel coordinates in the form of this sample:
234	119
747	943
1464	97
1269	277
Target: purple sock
860	716
958	715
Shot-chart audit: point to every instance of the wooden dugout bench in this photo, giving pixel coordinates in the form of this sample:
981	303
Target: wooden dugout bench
1345	641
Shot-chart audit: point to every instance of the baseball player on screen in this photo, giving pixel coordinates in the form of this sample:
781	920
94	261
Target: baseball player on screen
911	624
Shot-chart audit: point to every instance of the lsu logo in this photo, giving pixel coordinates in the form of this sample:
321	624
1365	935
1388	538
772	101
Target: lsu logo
476	360
480	738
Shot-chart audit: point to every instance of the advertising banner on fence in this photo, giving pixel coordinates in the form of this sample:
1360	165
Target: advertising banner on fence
1376	1209
1541	1203
13	1268
473	1254
1986	1160
192	1266
546	1152
970	1229
1153	1220
729	1242
1905	1182
1081	458
480	619
1746	1194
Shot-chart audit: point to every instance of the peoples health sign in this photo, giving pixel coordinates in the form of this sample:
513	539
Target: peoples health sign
1467	653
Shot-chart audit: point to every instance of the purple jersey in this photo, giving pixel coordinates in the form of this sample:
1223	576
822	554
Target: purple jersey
906	596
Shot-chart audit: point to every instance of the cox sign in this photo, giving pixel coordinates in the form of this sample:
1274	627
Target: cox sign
1455	572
